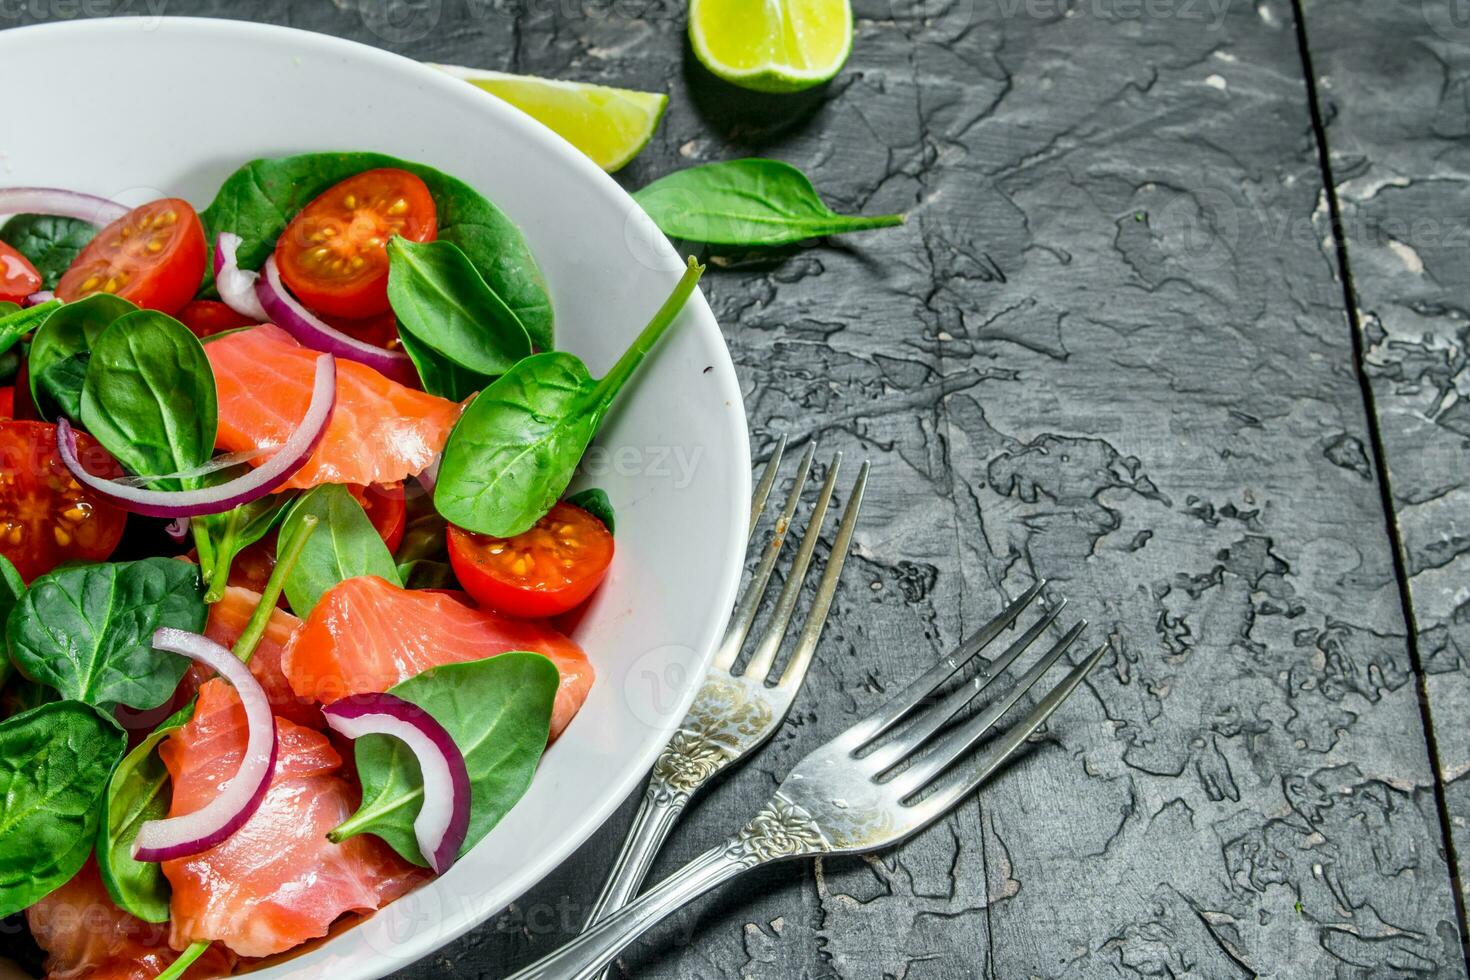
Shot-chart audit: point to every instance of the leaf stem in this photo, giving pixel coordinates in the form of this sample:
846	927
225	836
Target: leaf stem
607	389
186	959
219	575
261	617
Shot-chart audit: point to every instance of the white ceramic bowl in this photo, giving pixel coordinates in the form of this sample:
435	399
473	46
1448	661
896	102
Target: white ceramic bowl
142	108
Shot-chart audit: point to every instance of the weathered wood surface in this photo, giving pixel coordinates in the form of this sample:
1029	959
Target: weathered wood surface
1109	347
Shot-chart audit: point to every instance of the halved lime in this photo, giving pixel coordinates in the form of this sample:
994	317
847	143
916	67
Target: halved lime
610	125
771	45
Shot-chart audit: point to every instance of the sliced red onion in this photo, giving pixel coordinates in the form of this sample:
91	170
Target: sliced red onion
285	312
236	285
221	462
40	296
68	204
178	528
430	474
444	816
292	455
238	797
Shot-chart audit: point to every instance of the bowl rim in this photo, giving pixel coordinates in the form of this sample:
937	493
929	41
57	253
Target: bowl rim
460	918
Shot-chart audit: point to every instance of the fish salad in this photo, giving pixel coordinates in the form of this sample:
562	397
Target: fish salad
285	543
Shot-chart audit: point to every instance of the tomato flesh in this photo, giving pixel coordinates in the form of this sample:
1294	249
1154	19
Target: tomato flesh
386	505
46	516
152	256
18	278
334	255
207	317
545	571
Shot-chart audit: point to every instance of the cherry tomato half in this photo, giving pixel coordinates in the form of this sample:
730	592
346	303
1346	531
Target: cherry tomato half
18	278
387	507
542	572
153	256
207	317
334	255
46	516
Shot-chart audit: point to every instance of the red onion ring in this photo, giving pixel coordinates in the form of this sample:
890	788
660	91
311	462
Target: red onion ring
236	286
38	297
444	816
292	455
240	796
68	204
288	314
178	528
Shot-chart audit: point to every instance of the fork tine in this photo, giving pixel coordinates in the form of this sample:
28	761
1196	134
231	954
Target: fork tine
976	772
806	645
924	686
886	756
750	600
953	746
763	488
764	657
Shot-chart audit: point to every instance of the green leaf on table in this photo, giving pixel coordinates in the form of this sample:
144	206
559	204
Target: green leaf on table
68	333
746	203
498	711
257	201
441	300
517	446
137	792
57	758
594	501
87	630
345	545
49	241
149	397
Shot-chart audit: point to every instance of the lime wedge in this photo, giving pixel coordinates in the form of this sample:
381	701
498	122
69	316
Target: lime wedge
771	45
610	125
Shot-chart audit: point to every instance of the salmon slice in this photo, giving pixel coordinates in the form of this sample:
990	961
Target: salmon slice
277	881
366	634
227	619
86	937
380	431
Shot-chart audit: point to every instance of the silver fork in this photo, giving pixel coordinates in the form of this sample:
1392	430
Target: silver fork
736	713
859	792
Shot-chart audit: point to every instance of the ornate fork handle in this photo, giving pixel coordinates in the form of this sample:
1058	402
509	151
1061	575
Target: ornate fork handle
780	831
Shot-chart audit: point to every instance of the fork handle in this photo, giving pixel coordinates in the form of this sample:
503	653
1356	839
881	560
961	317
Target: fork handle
656	817
594	950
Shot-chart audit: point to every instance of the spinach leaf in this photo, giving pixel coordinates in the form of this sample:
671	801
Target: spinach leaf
7	307
69	332
87	630
424	573
57	758
440	375
149	397
257	201
62	383
232	532
517	446
344	546
137	792
498	711
12	587
747	203
18	322
439	297
594	501
50	241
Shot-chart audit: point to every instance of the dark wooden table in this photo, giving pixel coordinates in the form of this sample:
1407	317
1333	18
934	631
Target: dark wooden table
1179	321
